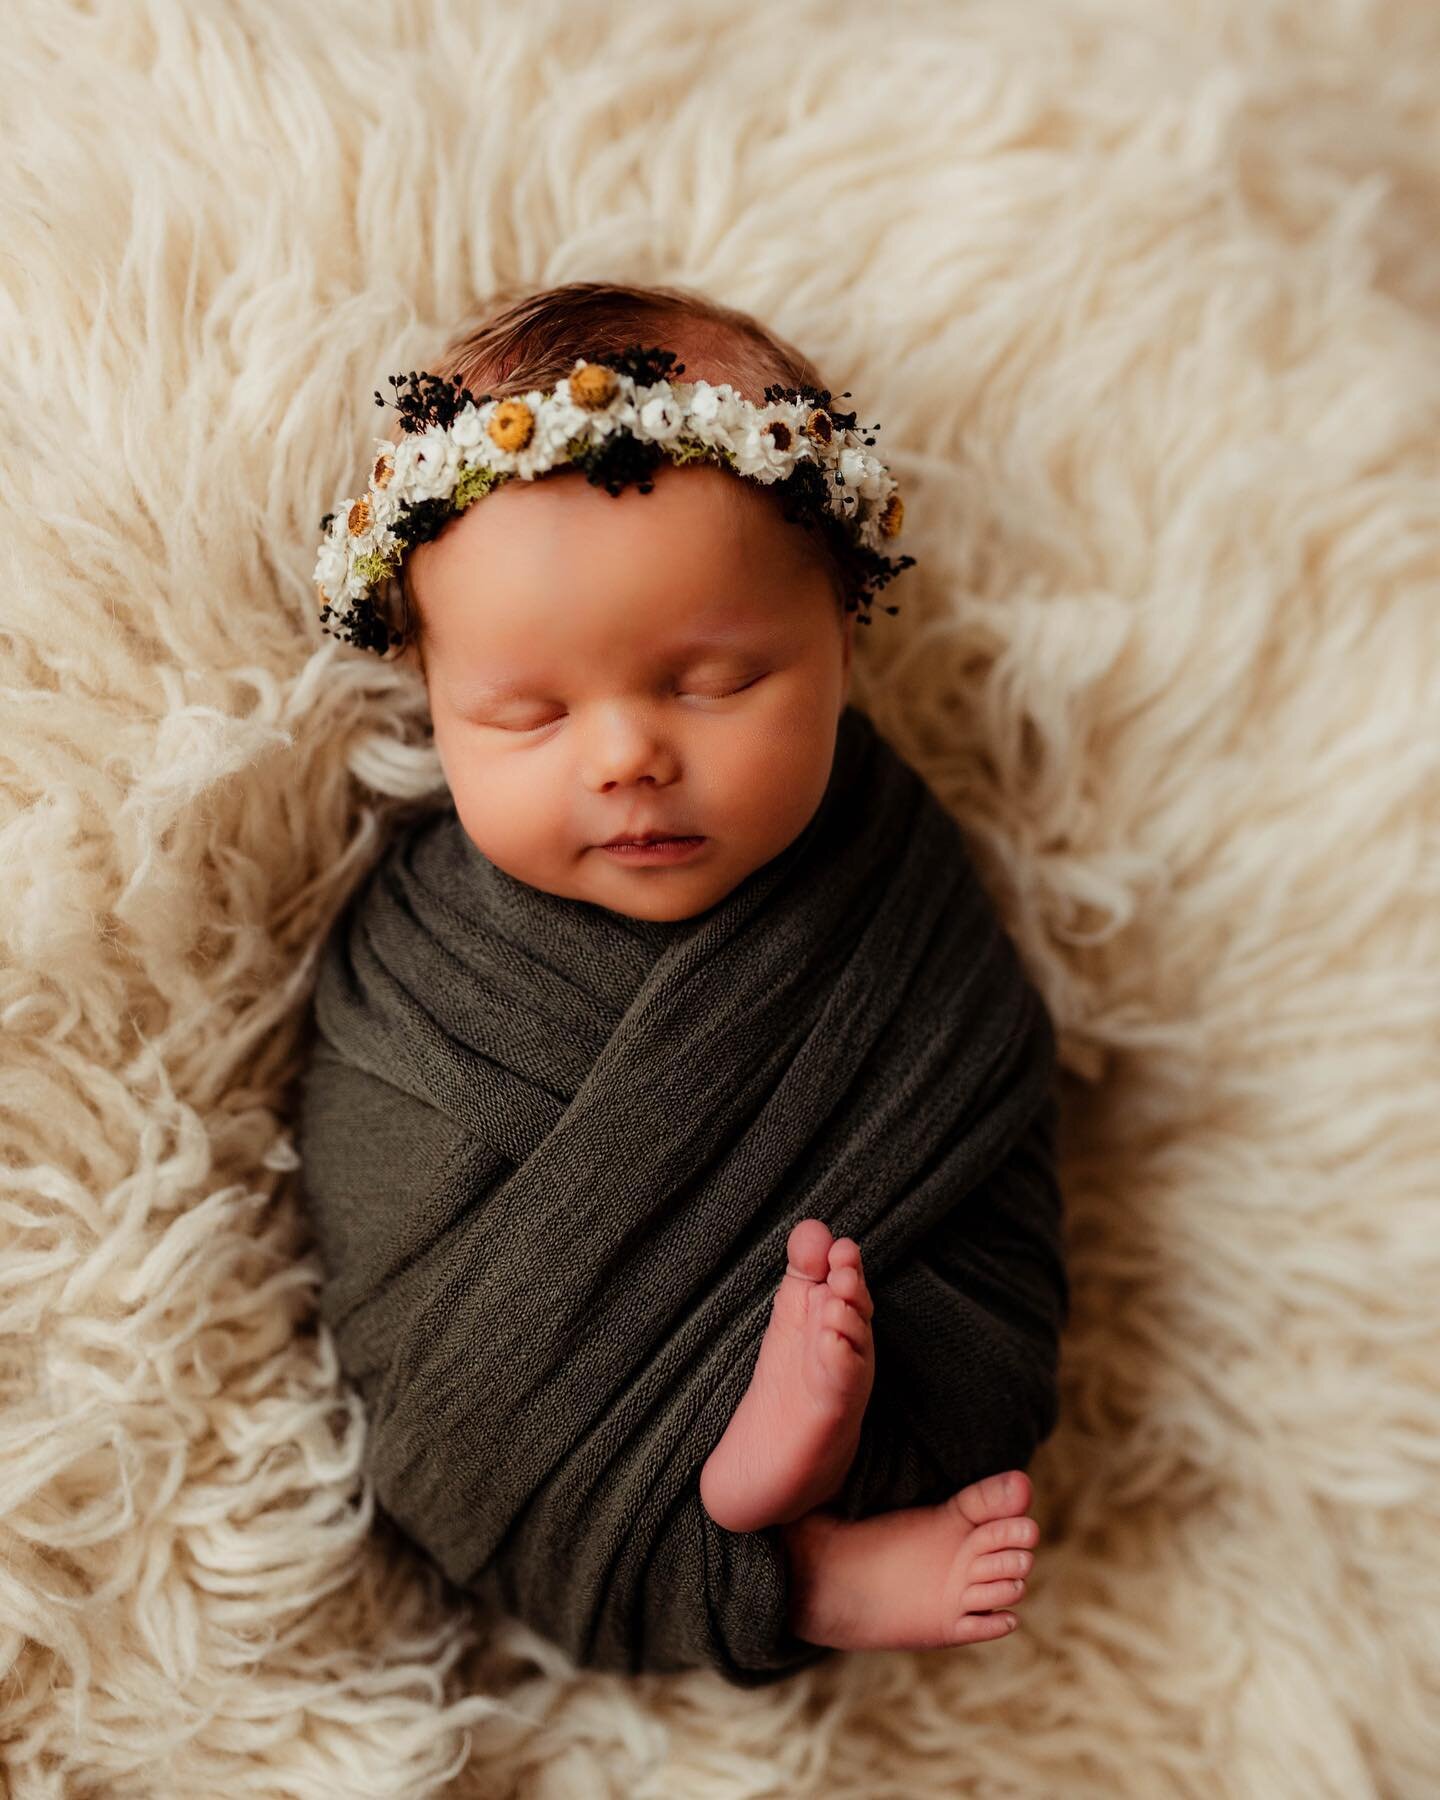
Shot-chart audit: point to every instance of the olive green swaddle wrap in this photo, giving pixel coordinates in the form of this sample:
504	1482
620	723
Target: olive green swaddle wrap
553	1155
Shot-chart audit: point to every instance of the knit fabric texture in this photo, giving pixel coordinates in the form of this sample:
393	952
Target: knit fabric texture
553	1153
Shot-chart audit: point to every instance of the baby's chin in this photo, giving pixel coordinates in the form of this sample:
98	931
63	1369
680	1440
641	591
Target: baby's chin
653	893
661	913
659	896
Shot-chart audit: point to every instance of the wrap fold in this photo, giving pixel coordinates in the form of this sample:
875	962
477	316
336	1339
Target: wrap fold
552	1155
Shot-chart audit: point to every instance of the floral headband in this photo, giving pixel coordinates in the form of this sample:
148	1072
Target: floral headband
614	420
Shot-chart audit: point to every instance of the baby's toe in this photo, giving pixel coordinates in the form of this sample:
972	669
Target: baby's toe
841	1316
984	1596
848	1281
844	1365
1000	1563
806	1250
844	1253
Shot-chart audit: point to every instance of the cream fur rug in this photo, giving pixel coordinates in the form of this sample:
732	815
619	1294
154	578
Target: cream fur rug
1147	300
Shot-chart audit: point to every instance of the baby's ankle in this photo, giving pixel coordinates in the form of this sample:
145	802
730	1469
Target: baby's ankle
813	1596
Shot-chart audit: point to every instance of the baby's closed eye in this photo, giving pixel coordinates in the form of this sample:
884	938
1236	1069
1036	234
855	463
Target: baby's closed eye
706	693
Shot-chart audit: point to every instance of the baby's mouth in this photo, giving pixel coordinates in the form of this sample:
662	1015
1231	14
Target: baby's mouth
652	837
652	846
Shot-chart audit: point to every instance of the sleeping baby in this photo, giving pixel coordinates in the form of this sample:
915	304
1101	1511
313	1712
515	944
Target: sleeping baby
678	1128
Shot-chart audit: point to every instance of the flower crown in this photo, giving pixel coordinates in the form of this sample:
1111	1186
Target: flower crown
614	420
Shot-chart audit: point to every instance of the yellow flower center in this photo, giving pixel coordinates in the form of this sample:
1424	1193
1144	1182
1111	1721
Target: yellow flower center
511	424
593	386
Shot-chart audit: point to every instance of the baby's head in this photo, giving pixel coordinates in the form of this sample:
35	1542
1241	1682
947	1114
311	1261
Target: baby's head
605	665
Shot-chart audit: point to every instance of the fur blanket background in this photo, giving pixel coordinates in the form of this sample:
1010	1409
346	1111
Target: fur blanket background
1147	299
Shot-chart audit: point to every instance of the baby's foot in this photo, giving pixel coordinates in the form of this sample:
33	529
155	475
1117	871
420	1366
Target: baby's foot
794	1434
919	1578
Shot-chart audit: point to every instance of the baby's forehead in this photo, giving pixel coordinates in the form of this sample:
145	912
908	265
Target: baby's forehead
700	518
704	552
730	520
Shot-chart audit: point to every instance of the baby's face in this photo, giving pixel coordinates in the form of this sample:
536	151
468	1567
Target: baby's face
602	665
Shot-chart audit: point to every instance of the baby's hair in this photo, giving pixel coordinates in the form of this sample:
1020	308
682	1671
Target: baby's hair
529	338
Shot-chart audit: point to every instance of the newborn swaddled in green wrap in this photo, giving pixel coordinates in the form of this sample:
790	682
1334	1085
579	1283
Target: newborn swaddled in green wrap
553	1154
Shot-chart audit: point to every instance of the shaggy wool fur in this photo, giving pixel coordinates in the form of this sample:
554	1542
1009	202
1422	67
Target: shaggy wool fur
1147	299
